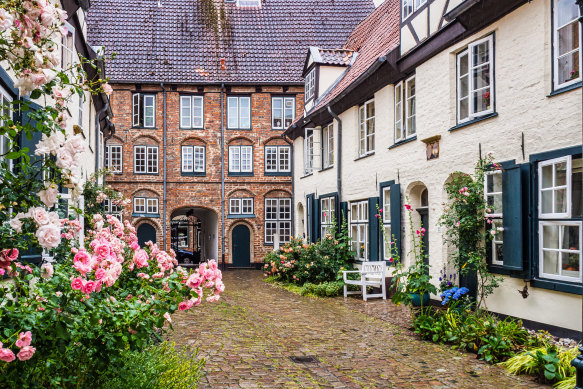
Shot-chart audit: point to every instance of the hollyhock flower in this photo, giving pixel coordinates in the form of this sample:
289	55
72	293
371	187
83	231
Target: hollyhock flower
6	355
24	339
26	353
407	207
47	270
49	236
77	284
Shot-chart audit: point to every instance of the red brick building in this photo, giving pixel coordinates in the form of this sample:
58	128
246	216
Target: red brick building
203	176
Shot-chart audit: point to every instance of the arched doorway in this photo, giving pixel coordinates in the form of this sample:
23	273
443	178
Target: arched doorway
194	235
146	232
241	238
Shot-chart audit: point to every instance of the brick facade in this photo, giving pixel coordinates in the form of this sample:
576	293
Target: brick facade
201	192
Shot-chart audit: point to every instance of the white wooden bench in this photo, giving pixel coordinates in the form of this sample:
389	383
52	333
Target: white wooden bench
371	274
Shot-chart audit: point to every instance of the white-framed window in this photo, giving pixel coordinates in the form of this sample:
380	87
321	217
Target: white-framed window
359	228
277	159
147	205
144	110
475	80
309	152
495	213
68	47
241	206
405	111
191	112
386	221
146	159
240	159
239	112
560	213
277	219
6	114
114	158
567	59
193	159
283	112
328	146
182	234
555	188
410	6
366	132
310	85
327	214
111	209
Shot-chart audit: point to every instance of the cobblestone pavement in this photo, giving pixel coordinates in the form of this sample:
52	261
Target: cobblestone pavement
250	335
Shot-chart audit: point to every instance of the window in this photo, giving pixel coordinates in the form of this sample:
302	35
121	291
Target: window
410	6
475	80
493	197
191	112
310	85
386	220
6	114
566	43
560	215
277	159
309	152
182	235
143	114
366	128
328	146
193	159
241	206
405	125
277	219
359	229
146	159
239	112
68	47
112	209
113	158
147	205
282	112
328	215
240	159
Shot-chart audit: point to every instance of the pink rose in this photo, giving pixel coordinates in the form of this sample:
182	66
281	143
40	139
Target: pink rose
168	317
64	156
77	284
26	353
49	195
11	254
183	306
134	246
24	339
49	236
141	258
103	250
47	270
194	281
107	89
6	355
75	144
100	273
88	287
98	286
40	216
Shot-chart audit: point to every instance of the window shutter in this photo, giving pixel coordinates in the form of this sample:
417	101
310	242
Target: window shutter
373	229
316	219
512	218
136	109
396	217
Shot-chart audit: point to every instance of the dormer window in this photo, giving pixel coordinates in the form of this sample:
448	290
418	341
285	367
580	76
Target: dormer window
249	3
310	85
410	6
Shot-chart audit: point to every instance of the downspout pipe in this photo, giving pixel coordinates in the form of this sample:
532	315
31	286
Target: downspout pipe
97	132
224	265
338	154
288	141
164	172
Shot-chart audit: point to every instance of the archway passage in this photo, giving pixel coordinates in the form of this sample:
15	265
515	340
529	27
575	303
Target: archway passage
194	235
146	232
241	246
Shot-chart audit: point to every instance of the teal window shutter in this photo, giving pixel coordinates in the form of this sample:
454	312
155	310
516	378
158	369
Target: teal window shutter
512	219
316	219
396	216
373	229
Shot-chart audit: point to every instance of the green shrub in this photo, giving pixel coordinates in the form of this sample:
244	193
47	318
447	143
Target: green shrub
549	363
326	289
157	367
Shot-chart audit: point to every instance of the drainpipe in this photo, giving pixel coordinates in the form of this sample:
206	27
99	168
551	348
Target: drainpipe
97	133
223	178
285	138
164	167
339	156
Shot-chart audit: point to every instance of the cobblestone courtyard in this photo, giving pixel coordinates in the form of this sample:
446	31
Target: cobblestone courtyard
250	335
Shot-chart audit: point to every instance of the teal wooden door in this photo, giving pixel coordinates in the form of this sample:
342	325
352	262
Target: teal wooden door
146	232
241	246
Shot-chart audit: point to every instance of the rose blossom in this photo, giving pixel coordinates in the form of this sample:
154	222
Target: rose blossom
183	306
47	270
64	158
26	353
88	287
6	355
40	216
100	273
6	20
49	236
168	317
16	224
75	144
107	89
24	339
141	258
77	283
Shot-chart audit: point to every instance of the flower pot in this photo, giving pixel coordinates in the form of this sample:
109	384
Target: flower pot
416	299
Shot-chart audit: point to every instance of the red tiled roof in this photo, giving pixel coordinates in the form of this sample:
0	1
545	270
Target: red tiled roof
336	56
182	42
